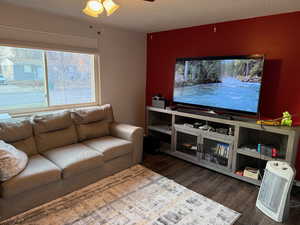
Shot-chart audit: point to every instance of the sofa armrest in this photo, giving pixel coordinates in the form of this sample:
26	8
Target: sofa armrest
130	133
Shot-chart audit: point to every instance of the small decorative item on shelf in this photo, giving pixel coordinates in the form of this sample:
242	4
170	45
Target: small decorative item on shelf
187	146
239	173
231	131
197	125
286	119
249	147
222	153
159	101
222	131
268	122
268	150
275	153
207	128
188	125
251	173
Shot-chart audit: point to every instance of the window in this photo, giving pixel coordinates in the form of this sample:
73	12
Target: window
45	79
27	69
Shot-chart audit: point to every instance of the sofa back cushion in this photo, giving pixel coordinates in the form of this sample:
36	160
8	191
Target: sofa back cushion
54	130
52	121
93	122
93	130
93	114
18	132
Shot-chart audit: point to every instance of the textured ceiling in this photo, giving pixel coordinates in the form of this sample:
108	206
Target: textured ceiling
166	14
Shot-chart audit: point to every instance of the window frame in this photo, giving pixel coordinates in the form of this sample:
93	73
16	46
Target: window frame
96	86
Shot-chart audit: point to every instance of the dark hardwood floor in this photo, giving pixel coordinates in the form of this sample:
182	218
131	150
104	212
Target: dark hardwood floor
230	192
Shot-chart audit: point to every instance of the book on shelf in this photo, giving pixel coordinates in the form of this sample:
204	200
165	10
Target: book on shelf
222	150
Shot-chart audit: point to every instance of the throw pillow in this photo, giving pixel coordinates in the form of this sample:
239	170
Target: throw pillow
12	161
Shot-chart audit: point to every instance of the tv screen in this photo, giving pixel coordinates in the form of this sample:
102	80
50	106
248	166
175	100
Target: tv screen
227	83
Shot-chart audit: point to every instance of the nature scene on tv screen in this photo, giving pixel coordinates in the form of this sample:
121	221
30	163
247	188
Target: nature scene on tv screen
229	84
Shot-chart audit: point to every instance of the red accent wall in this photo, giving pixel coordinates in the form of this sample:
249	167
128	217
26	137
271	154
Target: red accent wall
277	36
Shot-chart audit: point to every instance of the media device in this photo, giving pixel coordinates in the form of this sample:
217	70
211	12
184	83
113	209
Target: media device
274	194
224	83
159	102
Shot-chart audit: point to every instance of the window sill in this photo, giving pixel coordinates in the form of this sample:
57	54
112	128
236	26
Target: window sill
28	113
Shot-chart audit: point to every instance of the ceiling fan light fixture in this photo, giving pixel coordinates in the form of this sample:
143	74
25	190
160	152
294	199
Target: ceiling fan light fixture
93	8
110	6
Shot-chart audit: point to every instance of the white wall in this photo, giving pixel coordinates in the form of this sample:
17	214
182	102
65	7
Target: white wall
122	57
123	73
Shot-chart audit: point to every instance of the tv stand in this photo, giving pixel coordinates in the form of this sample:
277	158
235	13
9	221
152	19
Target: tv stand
214	148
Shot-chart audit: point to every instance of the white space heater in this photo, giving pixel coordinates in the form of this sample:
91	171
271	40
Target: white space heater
274	194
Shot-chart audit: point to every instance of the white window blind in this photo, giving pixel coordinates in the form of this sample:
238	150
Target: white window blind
20	37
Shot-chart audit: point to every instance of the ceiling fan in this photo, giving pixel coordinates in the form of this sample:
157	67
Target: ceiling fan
94	8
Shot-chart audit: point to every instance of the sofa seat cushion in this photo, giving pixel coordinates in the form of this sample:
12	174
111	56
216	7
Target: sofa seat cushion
74	159
110	147
39	171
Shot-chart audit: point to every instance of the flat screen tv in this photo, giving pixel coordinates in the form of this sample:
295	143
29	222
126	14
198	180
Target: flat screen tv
230	83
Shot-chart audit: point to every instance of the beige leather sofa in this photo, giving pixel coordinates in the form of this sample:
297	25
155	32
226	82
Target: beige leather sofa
67	150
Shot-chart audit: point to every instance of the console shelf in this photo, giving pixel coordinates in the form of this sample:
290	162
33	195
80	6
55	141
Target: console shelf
254	155
161	128
220	152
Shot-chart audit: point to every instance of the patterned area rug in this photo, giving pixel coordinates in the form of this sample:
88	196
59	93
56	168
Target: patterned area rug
136	196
